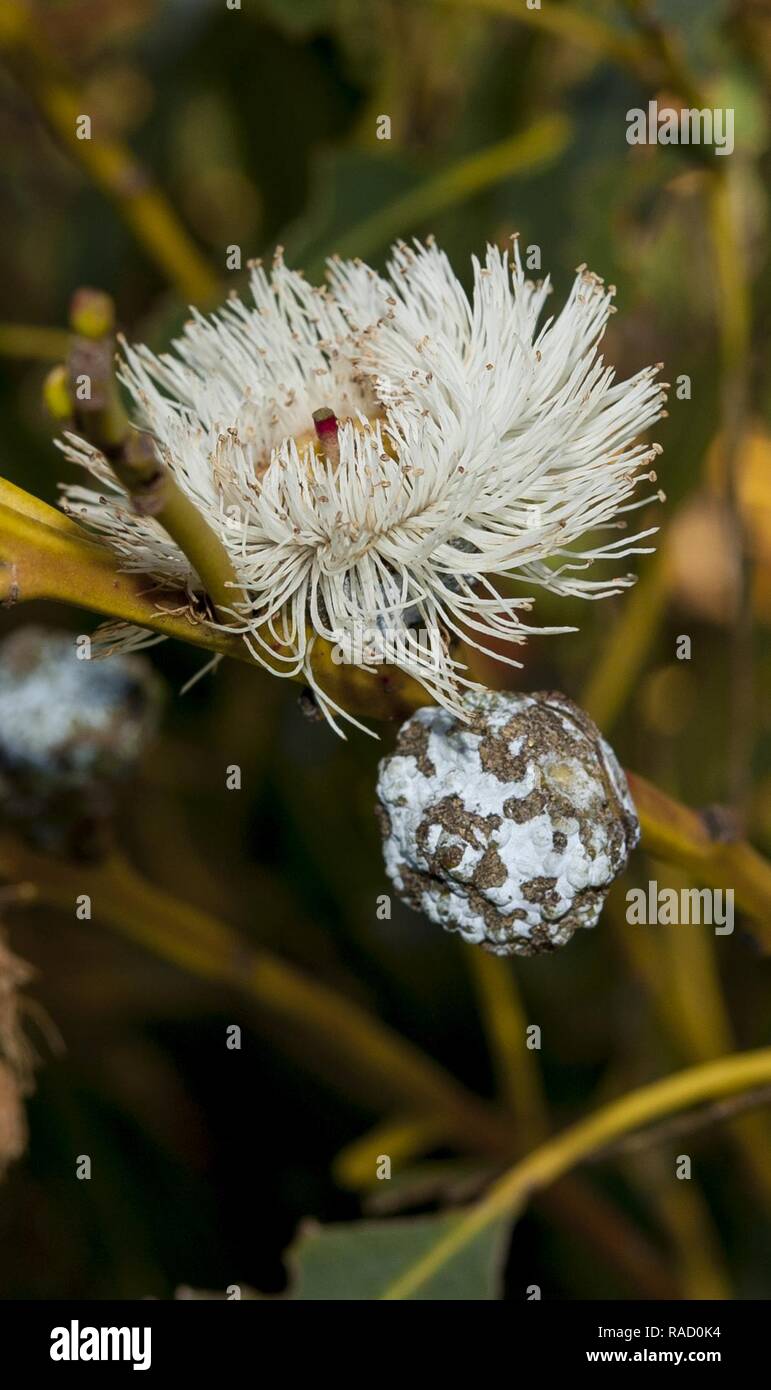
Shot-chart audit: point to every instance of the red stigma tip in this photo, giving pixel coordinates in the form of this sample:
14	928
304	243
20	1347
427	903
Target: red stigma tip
325	422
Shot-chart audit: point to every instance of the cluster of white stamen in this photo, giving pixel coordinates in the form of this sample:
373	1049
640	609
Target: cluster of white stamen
473	445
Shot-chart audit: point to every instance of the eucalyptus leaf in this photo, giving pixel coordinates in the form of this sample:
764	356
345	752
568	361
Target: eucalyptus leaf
366	1259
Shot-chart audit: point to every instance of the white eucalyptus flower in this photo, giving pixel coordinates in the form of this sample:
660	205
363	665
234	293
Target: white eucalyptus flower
384	455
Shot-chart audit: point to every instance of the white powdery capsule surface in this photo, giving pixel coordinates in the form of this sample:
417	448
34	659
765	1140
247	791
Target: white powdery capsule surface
509	828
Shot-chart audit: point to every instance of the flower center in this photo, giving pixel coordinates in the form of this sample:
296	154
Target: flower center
325	423
325	438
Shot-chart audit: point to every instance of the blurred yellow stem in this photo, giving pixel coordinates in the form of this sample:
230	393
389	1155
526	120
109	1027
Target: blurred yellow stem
28	340
735	318
355	1167
675	833
540	143
681	973
686	1216
727	1077
108	162
733	289
328	1032
654	54
519	1081
515	1064
626	646
564	22
332	1031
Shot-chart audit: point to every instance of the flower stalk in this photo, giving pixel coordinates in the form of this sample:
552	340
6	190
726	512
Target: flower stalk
86	390
154	493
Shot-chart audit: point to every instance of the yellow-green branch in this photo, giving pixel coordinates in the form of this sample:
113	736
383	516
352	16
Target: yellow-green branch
42	558
108	162
543	141
516	1066
333	1033
33	342
679	835
558	1156
45	556
564	22
327	1031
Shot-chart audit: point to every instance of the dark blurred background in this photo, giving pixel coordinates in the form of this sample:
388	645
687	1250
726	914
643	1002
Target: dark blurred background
259	126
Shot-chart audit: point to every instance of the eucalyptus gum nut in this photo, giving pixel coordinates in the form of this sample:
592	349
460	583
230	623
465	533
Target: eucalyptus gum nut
71	729
508	828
